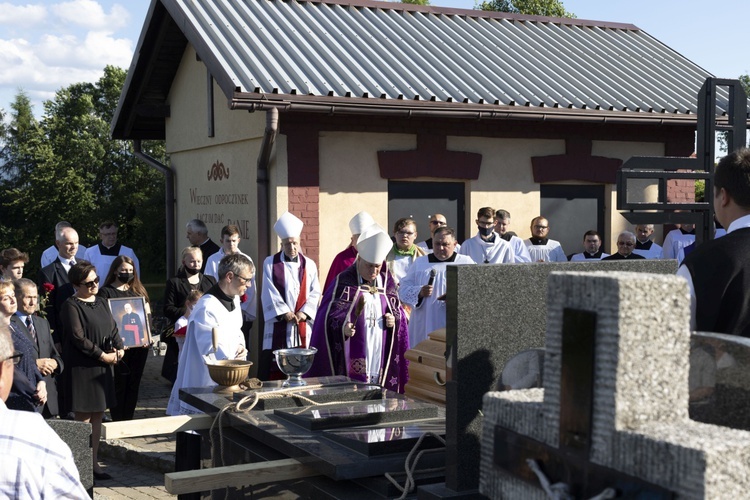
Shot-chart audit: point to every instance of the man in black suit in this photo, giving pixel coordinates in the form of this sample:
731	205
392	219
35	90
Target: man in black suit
56	275
48	360
197	235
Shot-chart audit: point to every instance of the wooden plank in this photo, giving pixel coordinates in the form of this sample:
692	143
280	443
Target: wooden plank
155	426
424	395
236	476
426	374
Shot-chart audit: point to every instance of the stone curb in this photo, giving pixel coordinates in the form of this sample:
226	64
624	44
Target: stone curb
122	450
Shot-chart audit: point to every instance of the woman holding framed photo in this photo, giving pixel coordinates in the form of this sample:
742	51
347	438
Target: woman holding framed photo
92	347
128	302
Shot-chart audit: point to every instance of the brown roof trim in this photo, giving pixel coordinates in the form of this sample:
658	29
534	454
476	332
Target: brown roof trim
449	11
412	108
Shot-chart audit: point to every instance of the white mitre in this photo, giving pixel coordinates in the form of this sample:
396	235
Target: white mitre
360	222
374	244
288	226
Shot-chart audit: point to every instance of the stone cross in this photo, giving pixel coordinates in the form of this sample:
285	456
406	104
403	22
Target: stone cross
623	423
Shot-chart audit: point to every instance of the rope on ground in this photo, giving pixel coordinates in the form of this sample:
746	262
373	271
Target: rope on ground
561	491
410	467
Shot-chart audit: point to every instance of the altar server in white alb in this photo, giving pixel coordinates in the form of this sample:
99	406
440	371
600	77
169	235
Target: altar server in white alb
424	286
214	330
676	240
104	253
540	247
230	241
502	227
290	296
487	247
644	245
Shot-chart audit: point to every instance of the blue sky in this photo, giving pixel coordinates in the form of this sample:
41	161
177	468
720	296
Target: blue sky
46	45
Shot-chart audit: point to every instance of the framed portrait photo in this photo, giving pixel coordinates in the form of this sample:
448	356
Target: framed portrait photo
129	314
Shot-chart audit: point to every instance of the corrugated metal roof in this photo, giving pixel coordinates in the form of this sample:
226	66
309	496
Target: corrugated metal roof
373	51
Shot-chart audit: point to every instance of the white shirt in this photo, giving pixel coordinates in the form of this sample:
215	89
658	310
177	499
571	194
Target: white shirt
520	250
250	305
683	271
674	241
655	252
581	257
34	461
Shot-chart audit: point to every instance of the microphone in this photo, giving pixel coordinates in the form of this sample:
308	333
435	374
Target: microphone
432	277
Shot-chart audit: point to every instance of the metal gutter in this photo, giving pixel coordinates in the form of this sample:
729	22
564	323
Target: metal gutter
169	201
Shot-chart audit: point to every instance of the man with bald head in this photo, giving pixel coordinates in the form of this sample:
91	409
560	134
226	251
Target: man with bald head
436	222
56	274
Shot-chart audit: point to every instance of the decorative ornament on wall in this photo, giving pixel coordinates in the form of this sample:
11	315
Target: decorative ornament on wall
218	171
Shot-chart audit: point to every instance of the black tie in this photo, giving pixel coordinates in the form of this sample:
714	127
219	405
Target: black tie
30	326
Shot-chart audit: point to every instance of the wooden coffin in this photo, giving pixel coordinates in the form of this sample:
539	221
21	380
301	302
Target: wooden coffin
427	369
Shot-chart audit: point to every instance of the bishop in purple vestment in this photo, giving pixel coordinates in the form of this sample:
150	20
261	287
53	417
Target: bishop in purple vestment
361	329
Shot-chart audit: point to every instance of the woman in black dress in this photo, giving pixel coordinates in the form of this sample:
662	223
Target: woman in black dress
188	278
122	282
89	328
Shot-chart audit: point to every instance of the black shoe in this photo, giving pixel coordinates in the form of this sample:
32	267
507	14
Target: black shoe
103	476
106	418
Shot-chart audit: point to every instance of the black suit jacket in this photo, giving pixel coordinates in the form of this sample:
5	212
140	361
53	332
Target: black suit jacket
56	275
208	248
176	292
45	348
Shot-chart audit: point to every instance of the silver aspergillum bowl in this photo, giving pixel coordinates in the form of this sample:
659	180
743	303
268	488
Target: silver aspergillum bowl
295	362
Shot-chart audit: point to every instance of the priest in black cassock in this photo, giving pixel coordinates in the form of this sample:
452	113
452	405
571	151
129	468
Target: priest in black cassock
625	246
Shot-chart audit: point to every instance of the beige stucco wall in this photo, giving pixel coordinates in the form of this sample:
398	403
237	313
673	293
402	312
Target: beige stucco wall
204	190
505	178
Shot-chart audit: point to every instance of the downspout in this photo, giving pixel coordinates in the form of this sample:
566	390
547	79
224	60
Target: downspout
264	198
169	201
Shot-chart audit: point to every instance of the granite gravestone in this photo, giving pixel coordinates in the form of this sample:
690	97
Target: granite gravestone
77	435
638	425
493	313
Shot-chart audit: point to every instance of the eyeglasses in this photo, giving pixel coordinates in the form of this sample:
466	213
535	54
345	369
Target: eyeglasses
485	223
438	223
91	284
244	281
405	233
540	227
16	357
625	244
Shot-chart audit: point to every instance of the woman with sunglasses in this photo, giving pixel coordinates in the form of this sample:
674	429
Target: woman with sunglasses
92	346
28	392
122	282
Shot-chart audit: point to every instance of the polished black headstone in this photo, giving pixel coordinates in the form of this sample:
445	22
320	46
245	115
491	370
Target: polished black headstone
343	393
317	418
373	441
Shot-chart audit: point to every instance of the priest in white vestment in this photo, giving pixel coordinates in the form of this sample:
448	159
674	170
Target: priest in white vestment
425	291
290	296
105	252
218	310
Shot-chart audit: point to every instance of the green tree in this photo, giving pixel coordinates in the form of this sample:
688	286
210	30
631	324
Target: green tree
66	167
417	2
551	8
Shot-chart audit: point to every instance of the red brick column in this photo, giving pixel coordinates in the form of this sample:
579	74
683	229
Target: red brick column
304	202
304	184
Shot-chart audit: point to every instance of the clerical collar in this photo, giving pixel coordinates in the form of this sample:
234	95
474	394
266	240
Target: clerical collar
597	255
643	246
538	241
289	259
428	242
491	239
222	297
431	258
687	232
507	236
111	251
